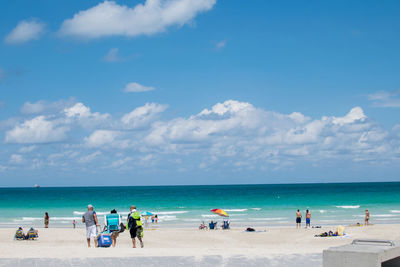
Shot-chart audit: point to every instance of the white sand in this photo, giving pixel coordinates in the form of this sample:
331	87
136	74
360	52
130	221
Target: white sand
71	243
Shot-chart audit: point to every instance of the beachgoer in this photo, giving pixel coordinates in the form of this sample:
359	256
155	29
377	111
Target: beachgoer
152	218
112	221
74	223
91	221
367	217
156	218
308	218
135	226
298	219
46	220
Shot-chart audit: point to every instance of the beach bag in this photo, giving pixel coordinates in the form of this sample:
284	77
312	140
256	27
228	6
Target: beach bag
249	229
104	240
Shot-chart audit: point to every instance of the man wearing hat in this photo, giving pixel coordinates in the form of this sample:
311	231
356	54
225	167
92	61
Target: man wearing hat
90	219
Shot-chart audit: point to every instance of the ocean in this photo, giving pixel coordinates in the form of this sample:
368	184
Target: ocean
188	206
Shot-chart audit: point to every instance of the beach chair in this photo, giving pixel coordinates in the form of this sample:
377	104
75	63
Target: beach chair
225	226
212	225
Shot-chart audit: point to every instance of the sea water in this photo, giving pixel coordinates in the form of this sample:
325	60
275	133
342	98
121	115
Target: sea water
188	206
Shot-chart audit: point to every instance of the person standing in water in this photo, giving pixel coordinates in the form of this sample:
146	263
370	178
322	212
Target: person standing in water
366	218
46	219
298	219
308	219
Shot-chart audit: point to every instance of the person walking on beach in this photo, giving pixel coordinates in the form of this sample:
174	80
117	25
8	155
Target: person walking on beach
91	221
308	219
46	219
298	219
366	218
112	221
135	226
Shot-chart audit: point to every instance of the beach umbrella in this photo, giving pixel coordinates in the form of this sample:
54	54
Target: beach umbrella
220	212
147	213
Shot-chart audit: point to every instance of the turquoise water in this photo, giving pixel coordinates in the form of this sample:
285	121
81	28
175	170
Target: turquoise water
267	205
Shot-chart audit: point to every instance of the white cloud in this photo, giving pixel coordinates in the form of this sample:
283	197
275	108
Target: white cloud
27	149
154	16
112	55
143	116
16	158
25	31
230	134
385	99
101	138
84	116
45	107
118	163
355	114
220	44
137	88
91	157
37	130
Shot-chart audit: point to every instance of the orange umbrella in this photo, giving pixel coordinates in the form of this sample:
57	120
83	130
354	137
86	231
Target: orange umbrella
220	212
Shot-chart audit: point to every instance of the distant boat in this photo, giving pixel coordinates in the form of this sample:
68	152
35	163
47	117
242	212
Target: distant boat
36	186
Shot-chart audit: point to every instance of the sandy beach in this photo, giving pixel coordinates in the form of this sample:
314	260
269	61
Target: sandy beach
70	243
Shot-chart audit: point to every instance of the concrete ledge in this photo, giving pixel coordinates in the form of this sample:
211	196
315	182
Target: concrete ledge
363	253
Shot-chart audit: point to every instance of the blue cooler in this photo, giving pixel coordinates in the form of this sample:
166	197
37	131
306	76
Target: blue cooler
104	240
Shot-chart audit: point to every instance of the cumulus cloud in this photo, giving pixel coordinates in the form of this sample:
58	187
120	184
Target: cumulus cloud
385	99
142	116
154	16
137	88
25	31
230	134
37	130
101	138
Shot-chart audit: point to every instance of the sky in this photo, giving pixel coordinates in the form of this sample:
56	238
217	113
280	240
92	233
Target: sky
165	92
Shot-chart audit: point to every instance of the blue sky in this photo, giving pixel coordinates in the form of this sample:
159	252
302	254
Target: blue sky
198	92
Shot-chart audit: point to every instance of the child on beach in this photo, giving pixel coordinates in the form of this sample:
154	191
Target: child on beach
74	224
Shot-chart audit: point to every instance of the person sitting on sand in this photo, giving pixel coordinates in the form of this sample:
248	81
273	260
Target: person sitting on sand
367	217
32	234
19	234
90	219
112	221
308	219
202	226
135	226
298	219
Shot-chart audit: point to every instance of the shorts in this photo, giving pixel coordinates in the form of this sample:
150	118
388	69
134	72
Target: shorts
308	220
91	231
136	232
298	220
